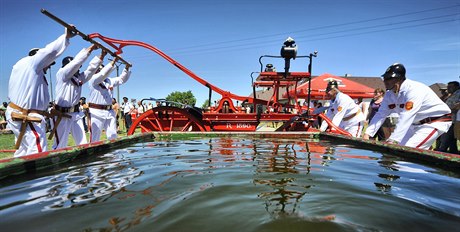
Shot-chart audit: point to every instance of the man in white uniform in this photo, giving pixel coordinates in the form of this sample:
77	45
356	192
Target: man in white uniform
343	111
68	92
29	96
127	110
101	114
423	116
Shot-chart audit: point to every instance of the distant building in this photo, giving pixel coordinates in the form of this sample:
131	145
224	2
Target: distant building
436	87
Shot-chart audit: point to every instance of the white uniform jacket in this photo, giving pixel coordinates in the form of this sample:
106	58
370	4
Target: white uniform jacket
343	107
101	87
69	81
28	87
414	102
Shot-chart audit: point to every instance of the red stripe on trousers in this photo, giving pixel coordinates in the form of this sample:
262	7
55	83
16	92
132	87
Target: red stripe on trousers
357	132
428	137
37	137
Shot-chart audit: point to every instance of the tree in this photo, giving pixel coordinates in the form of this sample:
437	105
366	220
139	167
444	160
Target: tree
182	97
205	104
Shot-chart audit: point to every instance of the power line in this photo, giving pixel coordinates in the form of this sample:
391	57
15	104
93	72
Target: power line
314	37
318	36
314	28
261	45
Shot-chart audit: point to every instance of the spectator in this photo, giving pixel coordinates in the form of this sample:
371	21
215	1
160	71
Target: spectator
140	109
127	110
363	106
374	108
2	116
85	110
116	109
447	141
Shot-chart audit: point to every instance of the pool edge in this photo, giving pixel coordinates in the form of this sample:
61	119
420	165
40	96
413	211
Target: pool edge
43	160
432	158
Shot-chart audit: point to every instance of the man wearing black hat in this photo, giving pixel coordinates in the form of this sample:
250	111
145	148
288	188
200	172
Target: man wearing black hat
69	82
343	111
29	96
422	115
127	110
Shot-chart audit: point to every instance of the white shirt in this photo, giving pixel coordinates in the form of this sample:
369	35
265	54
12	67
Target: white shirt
341	107
101	87
28	87
127	107
414	102
69	82
140	109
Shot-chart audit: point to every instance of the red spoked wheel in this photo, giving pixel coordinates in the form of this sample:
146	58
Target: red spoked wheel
167	118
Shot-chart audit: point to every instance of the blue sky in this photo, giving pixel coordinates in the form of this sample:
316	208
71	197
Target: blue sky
221	41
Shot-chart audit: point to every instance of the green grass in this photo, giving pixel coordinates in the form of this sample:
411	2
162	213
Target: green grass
7	142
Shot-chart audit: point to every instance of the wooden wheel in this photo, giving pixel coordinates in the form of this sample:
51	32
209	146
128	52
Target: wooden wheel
167	118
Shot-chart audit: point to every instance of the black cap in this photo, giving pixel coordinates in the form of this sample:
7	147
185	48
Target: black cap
332	84
395	71
33	51
66	60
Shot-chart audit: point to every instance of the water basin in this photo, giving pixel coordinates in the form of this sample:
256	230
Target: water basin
234	184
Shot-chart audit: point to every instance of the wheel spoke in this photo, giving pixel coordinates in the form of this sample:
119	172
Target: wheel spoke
189	124
159	118
154	126
171	124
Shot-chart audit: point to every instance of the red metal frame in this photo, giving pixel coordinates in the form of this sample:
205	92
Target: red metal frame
225	116
123	43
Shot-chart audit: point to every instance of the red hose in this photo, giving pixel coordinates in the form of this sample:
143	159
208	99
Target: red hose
337	130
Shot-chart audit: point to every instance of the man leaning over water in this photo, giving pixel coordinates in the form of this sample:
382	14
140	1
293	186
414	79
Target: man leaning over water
422	115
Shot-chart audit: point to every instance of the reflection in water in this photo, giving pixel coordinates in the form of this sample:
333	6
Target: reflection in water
176	185
285	191
79	187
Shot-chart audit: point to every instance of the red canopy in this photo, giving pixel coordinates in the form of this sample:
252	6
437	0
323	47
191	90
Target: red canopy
319	84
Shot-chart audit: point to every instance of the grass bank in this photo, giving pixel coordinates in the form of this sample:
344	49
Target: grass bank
7	143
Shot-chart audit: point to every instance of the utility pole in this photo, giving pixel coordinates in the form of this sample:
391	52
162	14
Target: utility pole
51	85
117	65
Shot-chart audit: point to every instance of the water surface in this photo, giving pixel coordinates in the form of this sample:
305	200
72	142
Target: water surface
234	184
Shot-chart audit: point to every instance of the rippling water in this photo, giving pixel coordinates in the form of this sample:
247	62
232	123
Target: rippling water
234	184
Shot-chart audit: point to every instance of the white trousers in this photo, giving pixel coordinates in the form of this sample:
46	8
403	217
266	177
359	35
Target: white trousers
74	126
423	136
102	120
354	127
34	139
